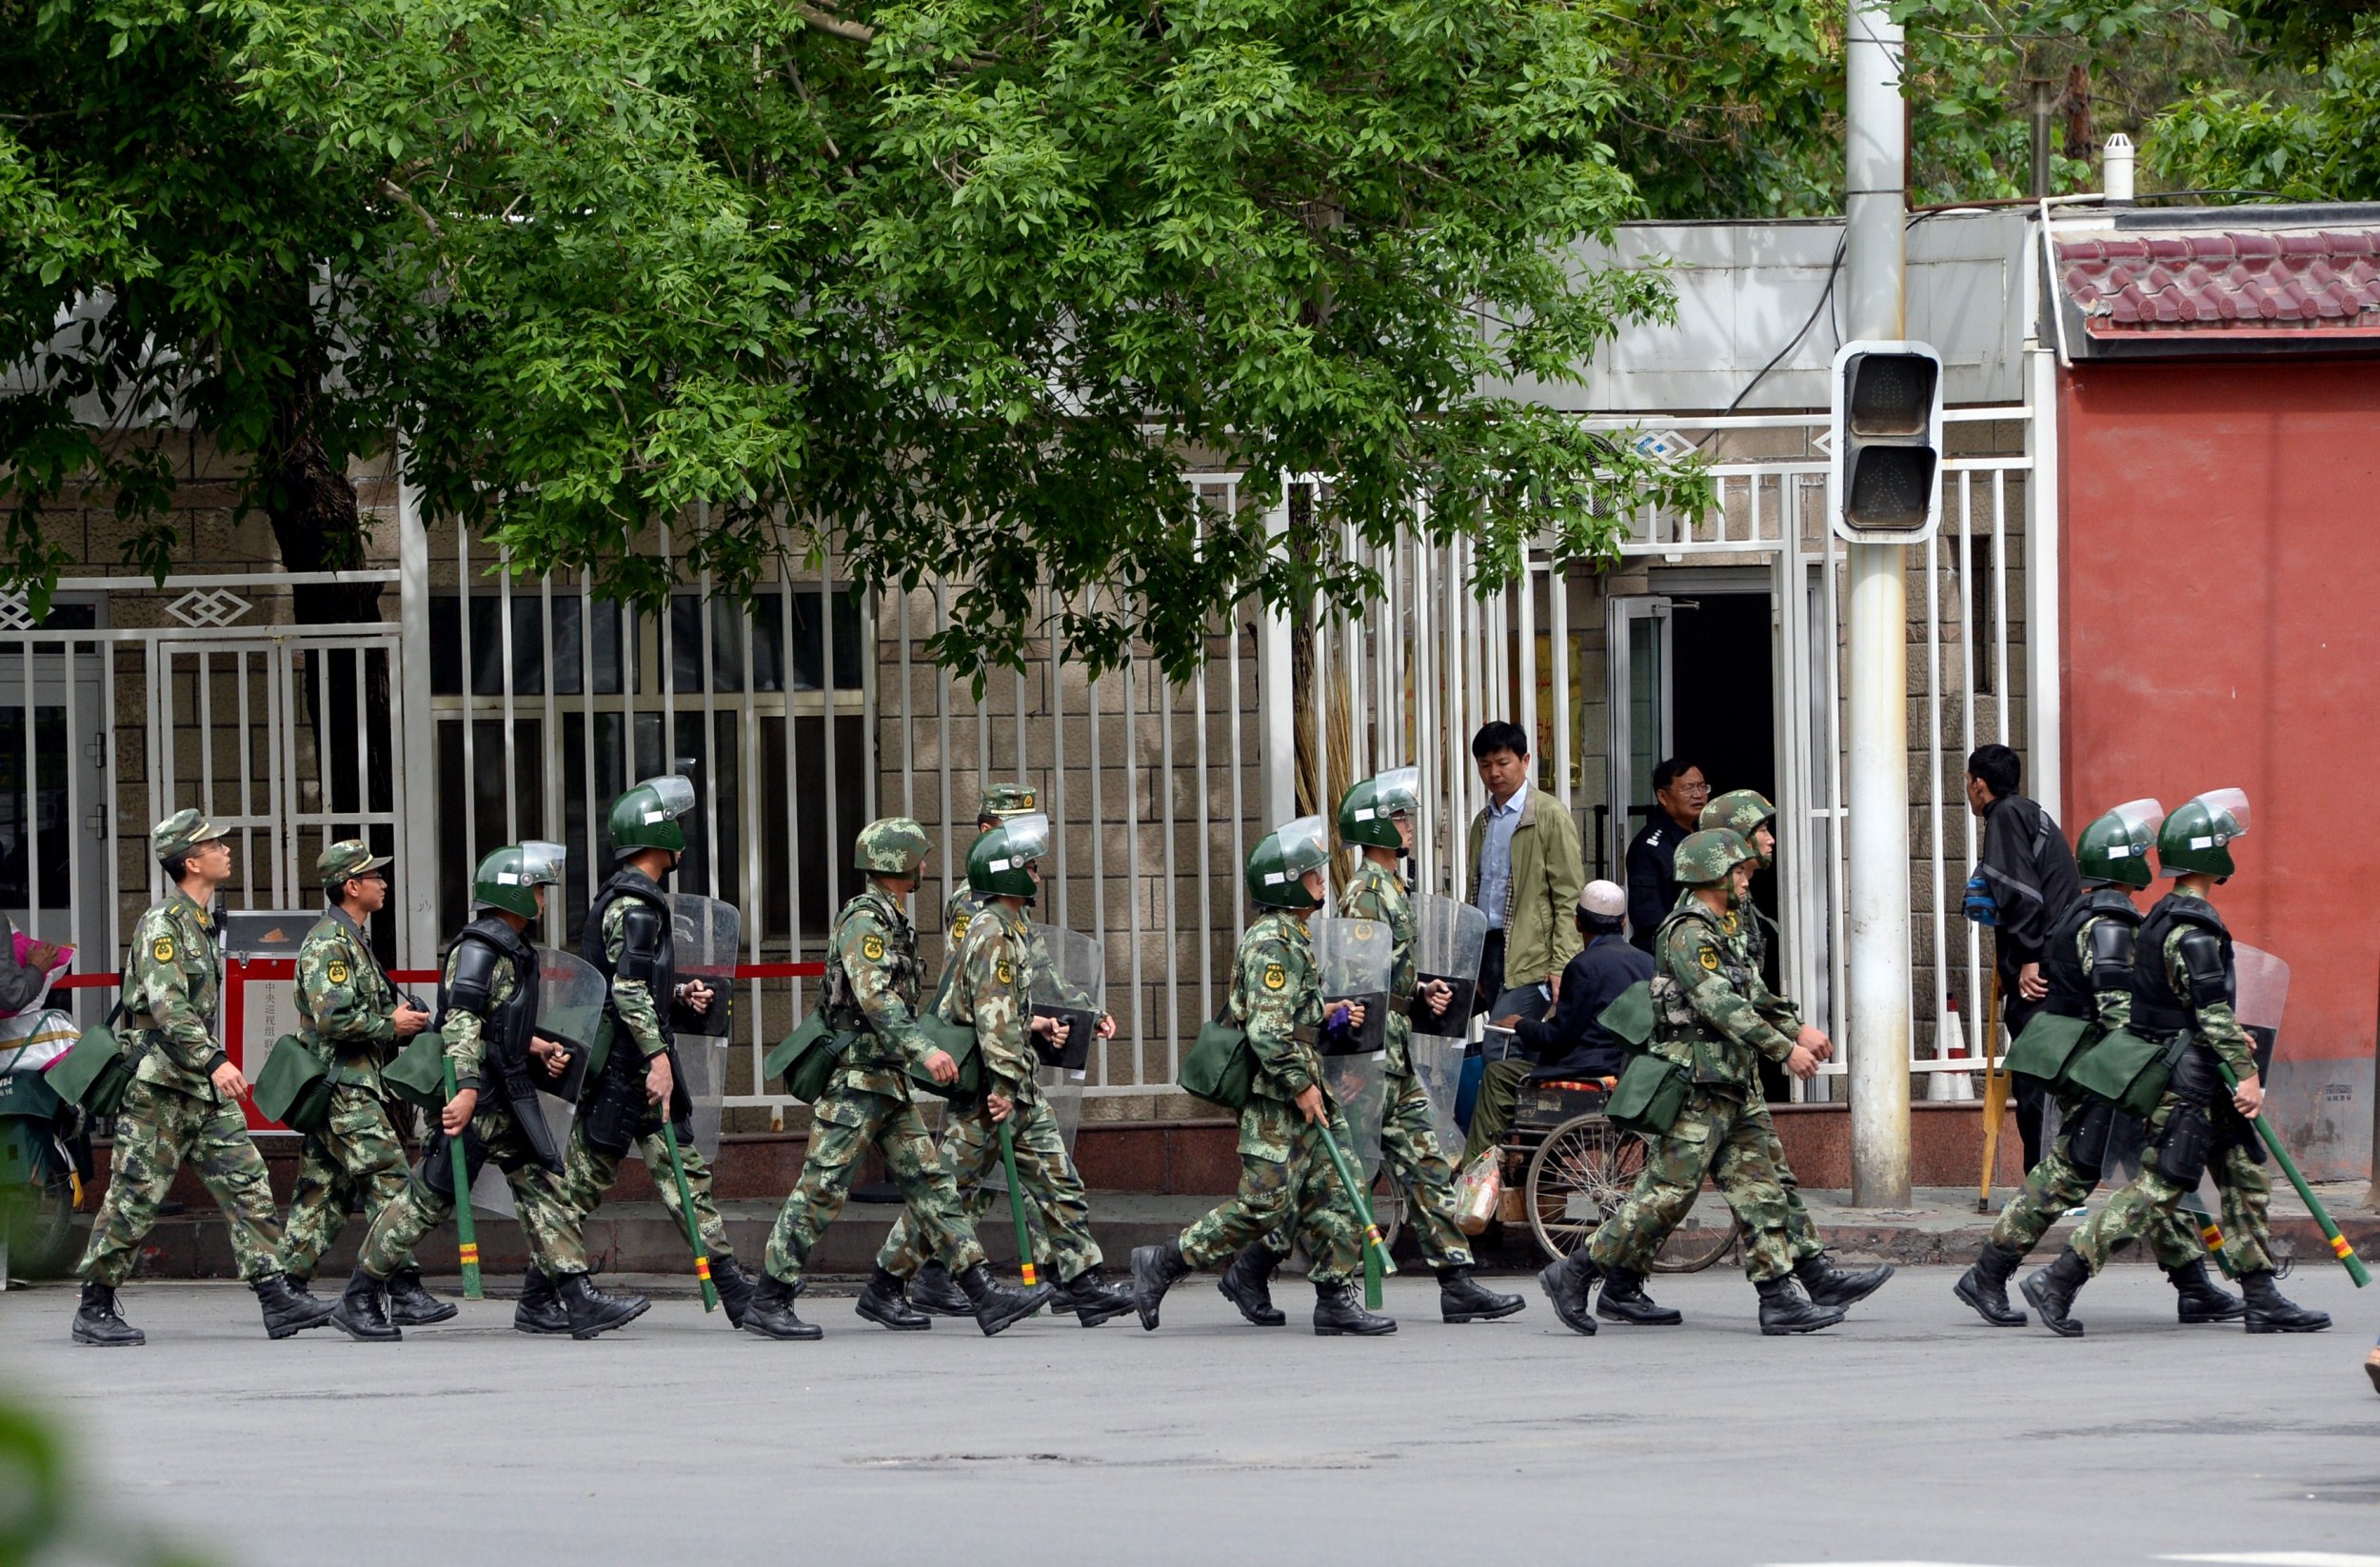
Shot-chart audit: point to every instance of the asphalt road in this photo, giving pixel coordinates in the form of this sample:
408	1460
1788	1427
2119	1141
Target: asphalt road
1911	1435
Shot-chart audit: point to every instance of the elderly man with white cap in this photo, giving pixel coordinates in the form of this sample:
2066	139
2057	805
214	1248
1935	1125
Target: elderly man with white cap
1571	1043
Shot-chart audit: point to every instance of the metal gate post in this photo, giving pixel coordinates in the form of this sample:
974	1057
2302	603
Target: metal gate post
417	832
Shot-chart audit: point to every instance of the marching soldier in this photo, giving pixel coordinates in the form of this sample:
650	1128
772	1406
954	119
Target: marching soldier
1285	1173
487	1016
2183	986
349	1015
1376	816
184	1103
1707	1024
872	987
989	986
627	940
2088	962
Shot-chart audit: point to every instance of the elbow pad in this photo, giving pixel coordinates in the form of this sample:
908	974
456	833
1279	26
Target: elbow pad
2112	947
2209	977
641	934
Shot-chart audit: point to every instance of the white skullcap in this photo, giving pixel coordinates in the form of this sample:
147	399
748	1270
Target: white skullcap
1603	899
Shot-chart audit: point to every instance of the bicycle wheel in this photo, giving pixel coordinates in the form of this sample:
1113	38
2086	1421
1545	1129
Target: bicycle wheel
1703	1239
1577	1177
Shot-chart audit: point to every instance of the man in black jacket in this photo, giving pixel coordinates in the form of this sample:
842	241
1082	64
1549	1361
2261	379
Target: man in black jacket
1679	792
2030	873
1571	1043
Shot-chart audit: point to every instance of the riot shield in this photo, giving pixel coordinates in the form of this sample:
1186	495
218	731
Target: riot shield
1359	1086
1449	939
1438	1066
1070	985
1064	1090
1353	959
705	934
570	997
2262	989
702	1072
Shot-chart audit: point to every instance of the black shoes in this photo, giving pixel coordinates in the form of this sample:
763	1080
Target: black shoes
998	1305
1785	1309
539	1310
362	1315
1623	1299
2199	1299
734	1288
1155	1270
1984	1286
590	1311
1247	1283
769	1313
932	1290
409	1304
97	1321
1569	1283
883	1303
2270	1310
2052	1289
1828	1285
1339	1311
1464	1298
288	1311
1092	1297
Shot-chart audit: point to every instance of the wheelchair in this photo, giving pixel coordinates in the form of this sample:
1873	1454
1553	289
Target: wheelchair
1576	1167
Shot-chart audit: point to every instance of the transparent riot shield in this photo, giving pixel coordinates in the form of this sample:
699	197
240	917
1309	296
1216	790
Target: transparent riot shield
1449	939
2264	993
1064	1090
1353	959
1359	1086
570	995
702	1070
1437	1065
1069	986
706	934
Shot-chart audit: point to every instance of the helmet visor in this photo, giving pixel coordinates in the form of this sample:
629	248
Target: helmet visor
541	862
1397	791
2138	820
1305	844
2226	802
675	793
1027	839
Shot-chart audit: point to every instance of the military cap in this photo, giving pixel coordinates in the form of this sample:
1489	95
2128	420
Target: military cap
181	832
1002	801
347	857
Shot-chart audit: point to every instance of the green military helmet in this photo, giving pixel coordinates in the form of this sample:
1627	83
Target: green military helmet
1707	855
997	864
646	816
1277	865
1368	814
2197	836
2115	848
890	845
1742	812
506	878
1003	800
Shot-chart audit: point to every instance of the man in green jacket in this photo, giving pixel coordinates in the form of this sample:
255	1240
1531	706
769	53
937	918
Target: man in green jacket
1525	877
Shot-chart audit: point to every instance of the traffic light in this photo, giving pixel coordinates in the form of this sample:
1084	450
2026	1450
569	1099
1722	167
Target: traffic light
1885	485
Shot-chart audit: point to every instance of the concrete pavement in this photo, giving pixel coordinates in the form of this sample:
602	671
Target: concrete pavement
1911	1433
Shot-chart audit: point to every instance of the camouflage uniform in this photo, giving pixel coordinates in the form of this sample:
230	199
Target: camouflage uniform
346	1007
1285	1173
872	986
1747	943
1408	1133
1707	1021
545	1221
172	1112
988	985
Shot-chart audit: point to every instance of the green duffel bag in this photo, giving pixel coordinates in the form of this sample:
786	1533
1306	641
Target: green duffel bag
1629	1018
418	1076
1220	1067
2126	1071
804	1060
291	1087
956	1040
1650	1094
97	1073
2048	1048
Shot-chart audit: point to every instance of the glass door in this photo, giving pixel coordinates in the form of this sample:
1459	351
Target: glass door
1641	675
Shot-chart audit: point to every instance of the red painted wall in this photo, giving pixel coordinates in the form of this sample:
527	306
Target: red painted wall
2220	599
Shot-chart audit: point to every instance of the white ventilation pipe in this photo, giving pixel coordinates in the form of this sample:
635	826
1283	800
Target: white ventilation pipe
2115	168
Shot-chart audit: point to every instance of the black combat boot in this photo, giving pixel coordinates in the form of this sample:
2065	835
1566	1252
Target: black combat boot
1569	1285
1828	1285
2199	1299
1785	1309
1092	1297
932	1290
2270	1310
1155	1270
361	1314
409	1304
997	1305
2052	1289
539	1310
734	1288
1248	1285
97	1321
592	1311
1339	1311
770	1311
288	1311
1464	1298
1624	1300
1984	1286
883	1303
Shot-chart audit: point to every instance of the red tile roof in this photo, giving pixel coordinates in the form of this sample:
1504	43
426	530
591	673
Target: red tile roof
2223	280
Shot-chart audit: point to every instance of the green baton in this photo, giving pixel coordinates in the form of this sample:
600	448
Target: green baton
685	1209
467	1236
1375	1262
1016	1202
2346	1254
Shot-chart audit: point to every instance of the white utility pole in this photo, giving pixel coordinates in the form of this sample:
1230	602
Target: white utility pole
1876	789
417	835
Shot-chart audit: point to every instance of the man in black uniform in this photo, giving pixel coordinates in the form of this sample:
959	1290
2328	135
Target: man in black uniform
1678	793
2031	876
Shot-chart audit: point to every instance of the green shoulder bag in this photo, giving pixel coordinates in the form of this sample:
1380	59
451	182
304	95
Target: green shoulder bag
2128	1071
957	1040
292	1087
2048	1048
1220	1067
97	1073
1651	1093
804	1060
418	1076
1629	1019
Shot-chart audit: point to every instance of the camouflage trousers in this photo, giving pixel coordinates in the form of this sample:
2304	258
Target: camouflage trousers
2153	1203
1731	1140
2055	1184
1058	1214
1409	1150
587	1174
546	1223
844	1119
1286	1183
356	1154
158	1130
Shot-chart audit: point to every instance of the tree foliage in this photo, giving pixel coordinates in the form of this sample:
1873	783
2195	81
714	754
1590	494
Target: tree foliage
2315	139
